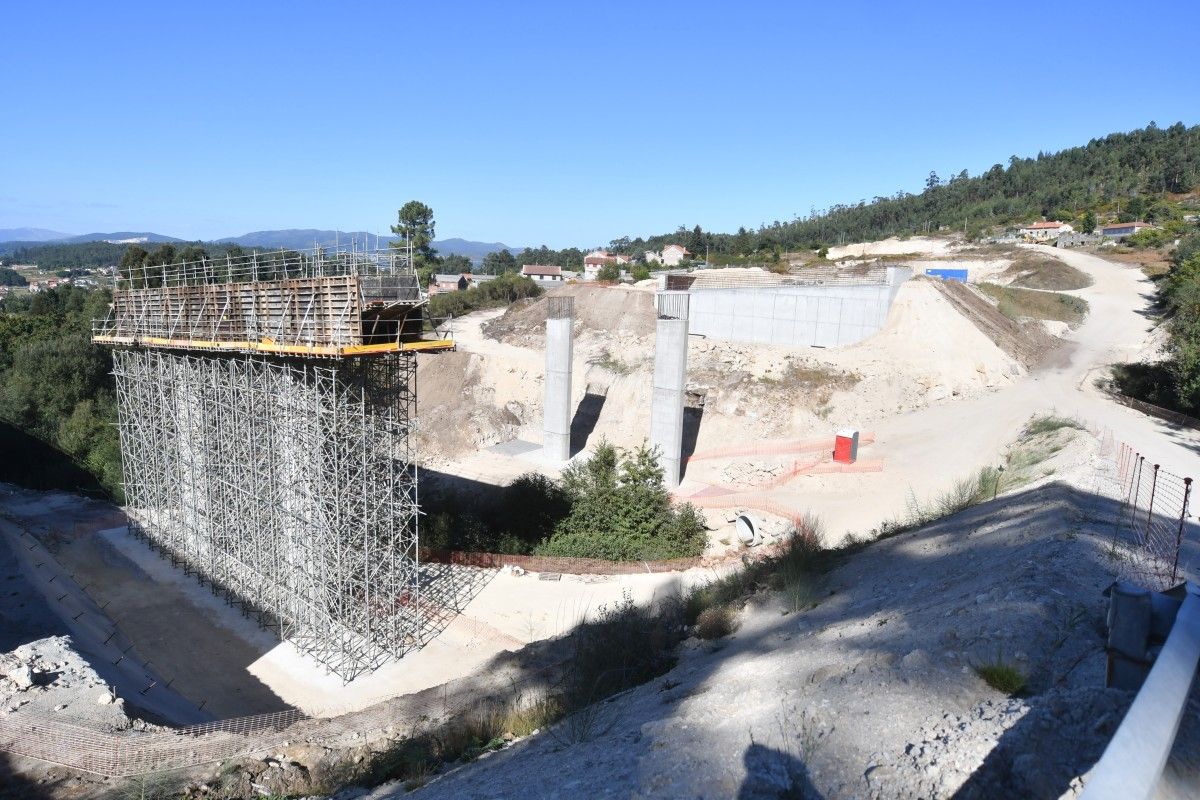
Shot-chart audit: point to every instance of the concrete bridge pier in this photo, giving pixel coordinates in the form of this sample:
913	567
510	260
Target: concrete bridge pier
670	379
556	413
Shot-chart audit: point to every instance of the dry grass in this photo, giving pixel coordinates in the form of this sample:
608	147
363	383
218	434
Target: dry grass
814	381
715	623
1018	304
1153	263
1032	270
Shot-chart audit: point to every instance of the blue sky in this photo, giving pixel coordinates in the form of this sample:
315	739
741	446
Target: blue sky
556	123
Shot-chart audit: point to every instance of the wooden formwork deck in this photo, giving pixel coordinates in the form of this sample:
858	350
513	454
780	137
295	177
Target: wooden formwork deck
311	316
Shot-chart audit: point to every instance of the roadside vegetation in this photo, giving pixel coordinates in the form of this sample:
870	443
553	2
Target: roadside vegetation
1173	382
1018	304
1038	442
611	506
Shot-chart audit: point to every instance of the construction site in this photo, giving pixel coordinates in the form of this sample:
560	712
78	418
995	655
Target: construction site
266	587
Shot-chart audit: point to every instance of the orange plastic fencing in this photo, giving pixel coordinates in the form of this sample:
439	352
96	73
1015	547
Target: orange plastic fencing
782	447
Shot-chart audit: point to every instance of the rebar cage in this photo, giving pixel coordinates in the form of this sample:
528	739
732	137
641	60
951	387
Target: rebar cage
286	483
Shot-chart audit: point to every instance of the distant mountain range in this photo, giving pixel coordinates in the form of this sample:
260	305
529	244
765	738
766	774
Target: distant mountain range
31	235
293	238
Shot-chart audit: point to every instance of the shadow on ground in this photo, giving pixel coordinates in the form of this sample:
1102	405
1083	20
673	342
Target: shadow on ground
587	414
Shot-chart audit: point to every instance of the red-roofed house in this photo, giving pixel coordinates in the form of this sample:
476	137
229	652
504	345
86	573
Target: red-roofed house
1042	231
596	260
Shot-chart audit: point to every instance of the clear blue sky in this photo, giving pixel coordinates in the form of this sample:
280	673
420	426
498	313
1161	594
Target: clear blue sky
554	122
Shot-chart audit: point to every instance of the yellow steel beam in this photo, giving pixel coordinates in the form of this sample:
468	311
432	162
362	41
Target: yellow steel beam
329	351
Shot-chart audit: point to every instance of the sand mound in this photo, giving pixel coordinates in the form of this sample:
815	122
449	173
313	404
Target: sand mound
893	247
598	309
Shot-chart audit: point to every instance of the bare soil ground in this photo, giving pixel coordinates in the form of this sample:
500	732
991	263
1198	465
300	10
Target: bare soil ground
874	692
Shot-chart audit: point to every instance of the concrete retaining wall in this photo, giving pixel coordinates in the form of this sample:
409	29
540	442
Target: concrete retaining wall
829	315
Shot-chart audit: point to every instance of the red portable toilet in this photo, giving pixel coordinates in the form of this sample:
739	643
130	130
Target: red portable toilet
845	446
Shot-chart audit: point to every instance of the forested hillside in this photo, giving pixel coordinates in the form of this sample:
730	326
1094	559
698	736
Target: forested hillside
1141	166
55	386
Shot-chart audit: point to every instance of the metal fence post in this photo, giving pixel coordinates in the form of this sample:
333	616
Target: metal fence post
1150	507
1135	487
1187	493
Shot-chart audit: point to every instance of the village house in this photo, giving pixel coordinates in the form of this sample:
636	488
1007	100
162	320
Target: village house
671	255
456	283
596	260
542	273
1044	231
1119	230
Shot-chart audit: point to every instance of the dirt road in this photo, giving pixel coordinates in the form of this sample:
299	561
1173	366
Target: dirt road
926	450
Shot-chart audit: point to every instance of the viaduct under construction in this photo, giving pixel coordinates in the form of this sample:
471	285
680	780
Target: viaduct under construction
266	406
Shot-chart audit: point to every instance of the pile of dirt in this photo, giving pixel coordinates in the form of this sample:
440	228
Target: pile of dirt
598	309
1027	342
457	409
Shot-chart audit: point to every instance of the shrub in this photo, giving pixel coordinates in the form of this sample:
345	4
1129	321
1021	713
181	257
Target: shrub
610	273
621	511
715	623
504	290
532	506
622	645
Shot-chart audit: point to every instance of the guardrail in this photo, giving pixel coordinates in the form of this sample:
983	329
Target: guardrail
1150	530
1133	762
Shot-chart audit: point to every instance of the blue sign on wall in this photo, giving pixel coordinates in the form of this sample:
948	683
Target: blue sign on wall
959	275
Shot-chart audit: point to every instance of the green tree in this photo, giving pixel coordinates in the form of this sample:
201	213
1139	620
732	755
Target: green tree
454	264
610	273
415	229
1088	223
499	262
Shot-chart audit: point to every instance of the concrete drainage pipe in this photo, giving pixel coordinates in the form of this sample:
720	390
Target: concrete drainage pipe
747	530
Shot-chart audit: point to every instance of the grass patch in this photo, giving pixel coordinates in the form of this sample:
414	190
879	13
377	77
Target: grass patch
1018	304
811	380
1037	271
608	361
1049	423
1002	676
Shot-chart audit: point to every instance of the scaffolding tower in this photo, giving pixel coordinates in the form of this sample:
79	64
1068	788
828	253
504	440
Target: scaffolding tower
266	406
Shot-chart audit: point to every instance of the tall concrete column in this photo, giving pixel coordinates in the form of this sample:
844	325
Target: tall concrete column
670	378
556	414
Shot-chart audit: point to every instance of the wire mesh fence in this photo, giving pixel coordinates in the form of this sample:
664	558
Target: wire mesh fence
1152	522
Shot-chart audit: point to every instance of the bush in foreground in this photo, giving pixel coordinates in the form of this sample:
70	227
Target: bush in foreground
621	511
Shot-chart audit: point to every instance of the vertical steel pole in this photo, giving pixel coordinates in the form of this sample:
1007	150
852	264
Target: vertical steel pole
1150	507
1187	493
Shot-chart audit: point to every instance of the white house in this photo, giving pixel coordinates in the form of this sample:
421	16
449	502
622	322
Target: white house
544	274
670	256
596	260
1042	231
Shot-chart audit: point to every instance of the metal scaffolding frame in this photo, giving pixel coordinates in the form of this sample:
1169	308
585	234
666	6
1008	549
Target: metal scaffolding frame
285	483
